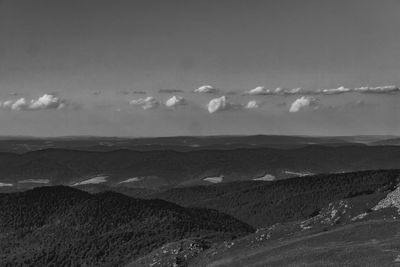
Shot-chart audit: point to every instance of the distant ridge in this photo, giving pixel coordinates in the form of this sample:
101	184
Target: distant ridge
164	169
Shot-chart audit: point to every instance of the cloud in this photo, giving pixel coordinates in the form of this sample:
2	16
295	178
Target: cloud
259	90
175	101
7	104
19	104
303	102
47	101
335	91
219	104
169	91
293	91
373	90
146	103
207	89
252	104
378	89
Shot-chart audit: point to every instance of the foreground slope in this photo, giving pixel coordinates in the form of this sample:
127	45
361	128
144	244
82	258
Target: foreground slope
368	243
355	223
63	226
362	230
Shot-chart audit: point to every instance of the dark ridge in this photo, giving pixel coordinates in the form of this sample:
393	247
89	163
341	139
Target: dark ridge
261	204
174	168
62	226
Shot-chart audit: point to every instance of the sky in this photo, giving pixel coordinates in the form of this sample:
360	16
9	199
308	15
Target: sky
96	67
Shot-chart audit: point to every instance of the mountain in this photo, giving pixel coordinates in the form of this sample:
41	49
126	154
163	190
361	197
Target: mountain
62	226
262	204
361	230
318	220
367	243
387	142
176	143
349	219
164	169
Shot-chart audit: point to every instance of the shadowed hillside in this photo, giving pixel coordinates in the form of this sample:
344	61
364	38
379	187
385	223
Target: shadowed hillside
346	219
64	226
265	203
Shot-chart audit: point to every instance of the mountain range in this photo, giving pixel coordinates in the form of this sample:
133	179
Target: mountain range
159	170
317	220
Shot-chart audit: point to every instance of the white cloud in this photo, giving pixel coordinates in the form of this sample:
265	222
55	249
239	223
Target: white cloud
146	103
252	104
219	104
208	89
20	104
287	91
259	90
378	89
47	101
365	89
7	104
339	90
175	101
303	102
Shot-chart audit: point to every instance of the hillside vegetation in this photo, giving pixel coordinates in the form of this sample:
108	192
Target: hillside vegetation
166	169
62	226
262	204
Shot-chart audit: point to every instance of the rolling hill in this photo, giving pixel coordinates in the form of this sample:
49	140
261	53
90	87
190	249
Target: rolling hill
62	226
160	170
326	219
176	143
349	219
262	204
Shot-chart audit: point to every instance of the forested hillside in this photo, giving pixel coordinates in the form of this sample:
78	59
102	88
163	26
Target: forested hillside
62	226
265	203
166	169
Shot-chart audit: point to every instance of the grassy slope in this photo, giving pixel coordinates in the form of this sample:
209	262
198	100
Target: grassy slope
367	243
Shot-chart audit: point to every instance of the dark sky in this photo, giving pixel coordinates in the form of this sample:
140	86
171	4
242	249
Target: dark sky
74	48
